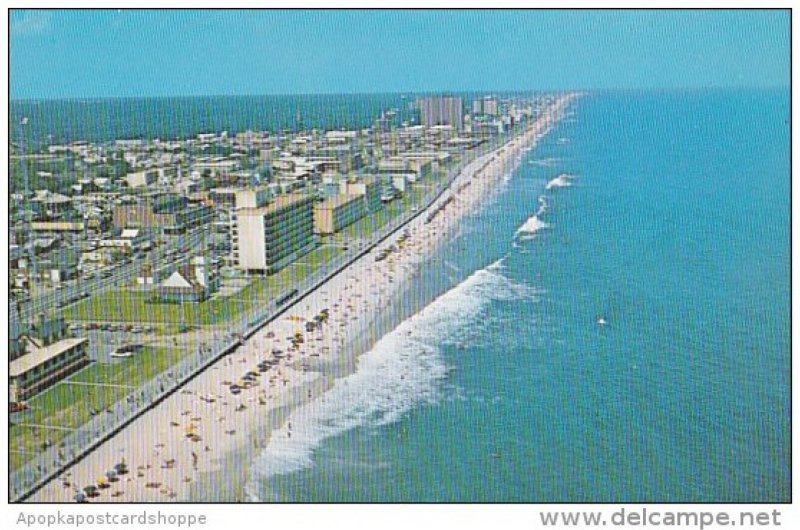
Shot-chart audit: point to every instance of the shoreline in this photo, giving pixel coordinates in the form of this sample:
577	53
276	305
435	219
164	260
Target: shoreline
203	436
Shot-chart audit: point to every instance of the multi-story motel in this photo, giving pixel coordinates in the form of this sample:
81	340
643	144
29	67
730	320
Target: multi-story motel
168	214
334	213
267	237
40	355
368	186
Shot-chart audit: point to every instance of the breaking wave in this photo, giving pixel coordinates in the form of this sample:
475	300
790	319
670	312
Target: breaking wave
561	181
401	371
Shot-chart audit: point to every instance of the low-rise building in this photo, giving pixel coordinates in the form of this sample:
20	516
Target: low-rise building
50	355
168	214
147	275
141	179
58	265
348	159
216	167
127	240
368	186
191	282
16	342
50	205
57	226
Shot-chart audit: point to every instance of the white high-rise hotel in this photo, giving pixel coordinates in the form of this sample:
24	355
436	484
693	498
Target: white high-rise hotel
442	110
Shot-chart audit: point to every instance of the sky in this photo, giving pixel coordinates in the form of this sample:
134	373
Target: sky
138	53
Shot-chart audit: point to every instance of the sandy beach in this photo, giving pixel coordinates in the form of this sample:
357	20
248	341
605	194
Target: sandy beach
196	444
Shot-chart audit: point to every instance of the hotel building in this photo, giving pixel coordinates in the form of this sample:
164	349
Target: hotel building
334	213
267	238
42	355
444	110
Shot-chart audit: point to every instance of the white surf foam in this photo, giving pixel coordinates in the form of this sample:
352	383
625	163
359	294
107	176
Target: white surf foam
532	225
544	162
561	181
498	265
542	206
401	371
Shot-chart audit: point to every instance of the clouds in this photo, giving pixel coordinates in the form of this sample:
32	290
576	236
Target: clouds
25	22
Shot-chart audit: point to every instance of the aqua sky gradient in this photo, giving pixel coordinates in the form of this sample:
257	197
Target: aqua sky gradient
166	53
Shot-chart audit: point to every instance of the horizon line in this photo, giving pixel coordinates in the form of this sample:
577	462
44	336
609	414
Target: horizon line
403	92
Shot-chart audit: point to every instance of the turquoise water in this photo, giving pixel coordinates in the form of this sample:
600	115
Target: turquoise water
675	231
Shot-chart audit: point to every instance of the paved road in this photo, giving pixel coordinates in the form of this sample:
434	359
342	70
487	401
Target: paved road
124	274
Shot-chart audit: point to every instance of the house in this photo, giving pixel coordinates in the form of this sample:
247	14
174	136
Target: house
127	240
58	265
141	179
50	205
147	275
192	282
168	214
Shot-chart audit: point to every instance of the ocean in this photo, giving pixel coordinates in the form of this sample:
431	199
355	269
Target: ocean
612	326
103	120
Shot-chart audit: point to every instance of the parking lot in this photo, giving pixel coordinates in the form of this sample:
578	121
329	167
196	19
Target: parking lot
105	338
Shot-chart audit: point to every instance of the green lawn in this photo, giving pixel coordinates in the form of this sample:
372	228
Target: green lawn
368	225
70	404
132	371
139	307
16	460
134	307
64	405
321	255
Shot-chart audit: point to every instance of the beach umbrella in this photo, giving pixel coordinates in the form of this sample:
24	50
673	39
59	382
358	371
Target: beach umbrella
112	475
80	497
121	468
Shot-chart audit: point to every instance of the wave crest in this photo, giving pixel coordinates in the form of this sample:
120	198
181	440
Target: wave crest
561	181
532	225
401	371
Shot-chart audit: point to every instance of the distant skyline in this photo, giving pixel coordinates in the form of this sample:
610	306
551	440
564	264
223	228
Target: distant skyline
141	53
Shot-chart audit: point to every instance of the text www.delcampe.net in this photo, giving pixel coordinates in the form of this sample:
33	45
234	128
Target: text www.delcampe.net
650	517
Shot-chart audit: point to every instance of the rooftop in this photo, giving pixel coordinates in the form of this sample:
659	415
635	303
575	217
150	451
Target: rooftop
39	356
279	203
336	201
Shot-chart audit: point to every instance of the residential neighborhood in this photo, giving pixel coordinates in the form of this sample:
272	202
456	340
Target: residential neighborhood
120	248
